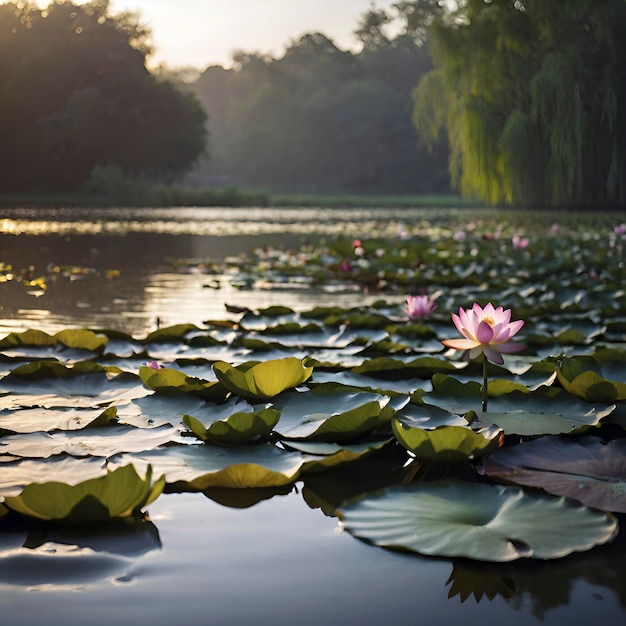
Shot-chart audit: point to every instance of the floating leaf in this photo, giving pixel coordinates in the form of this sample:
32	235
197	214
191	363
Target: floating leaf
330	412
170	381
588	470
120	493
15	475
583	377
199	467
103	442
448	444
37	419
262	381
240	427
476	521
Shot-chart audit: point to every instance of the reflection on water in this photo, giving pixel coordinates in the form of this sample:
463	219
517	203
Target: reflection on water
65	558
214	222
275	561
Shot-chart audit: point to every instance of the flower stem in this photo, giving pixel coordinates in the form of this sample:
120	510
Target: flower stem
485	394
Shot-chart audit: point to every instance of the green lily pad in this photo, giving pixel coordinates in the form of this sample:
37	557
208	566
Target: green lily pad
546	411
448	444
198	467
262	381
588	470
330	412
239	427
103	442
52	385
16	474
476	521
36	419
119	494
584	377
170	381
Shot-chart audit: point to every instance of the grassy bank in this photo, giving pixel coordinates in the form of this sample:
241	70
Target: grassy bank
374	201
232	197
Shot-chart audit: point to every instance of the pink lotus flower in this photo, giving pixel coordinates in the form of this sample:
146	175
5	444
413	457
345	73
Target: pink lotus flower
419	306
520	243
486	331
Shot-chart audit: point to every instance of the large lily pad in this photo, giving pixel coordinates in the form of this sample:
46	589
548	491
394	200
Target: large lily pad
585	377
331	412
198	467
450	444
476	521
588	470
103	442
120	493
236	428
546	411
170	381
32	420
18	473
262	381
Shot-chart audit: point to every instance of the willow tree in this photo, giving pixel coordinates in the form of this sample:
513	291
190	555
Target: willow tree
532	95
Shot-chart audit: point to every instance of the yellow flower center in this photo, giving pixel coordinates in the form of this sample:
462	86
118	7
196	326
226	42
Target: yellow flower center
489	320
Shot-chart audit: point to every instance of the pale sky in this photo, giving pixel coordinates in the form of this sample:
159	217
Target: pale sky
206	32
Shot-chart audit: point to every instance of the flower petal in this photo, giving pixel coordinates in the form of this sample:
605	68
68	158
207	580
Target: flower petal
511	348
484	333
515	327
460	344
493	355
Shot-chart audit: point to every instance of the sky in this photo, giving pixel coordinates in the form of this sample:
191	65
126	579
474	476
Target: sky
200	33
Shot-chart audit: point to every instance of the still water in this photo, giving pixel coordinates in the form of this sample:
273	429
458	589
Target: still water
278	561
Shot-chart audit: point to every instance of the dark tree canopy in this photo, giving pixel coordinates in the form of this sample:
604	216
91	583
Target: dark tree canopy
532	95
75	94
321	119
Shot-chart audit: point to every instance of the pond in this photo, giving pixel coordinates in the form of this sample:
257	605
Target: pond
270	555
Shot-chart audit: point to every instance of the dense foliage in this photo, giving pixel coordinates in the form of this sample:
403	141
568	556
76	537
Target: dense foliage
532	96
321	119
75	95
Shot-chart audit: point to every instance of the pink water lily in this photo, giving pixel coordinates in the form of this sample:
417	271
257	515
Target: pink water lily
486	331
419	306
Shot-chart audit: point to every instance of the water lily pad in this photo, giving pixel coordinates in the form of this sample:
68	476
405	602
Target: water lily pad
103	442
120	493
36	419
261	381
52	385
585	378
546	411
330	412
16	474
448	444
198	467
170	381
588	470
238	427
476	521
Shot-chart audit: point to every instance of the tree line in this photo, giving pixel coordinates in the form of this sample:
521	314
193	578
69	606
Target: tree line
76	98
516	102
532	97
320	119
